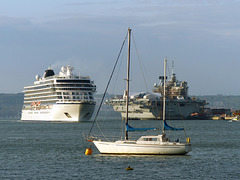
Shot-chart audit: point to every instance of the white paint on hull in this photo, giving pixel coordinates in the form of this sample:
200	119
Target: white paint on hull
131	147
61	113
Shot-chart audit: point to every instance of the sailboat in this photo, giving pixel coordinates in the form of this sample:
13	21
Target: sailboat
145	145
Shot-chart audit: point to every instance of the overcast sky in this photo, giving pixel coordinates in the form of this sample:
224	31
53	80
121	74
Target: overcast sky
201	37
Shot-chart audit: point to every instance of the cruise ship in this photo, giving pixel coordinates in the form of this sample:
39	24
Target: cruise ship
62	97
147	106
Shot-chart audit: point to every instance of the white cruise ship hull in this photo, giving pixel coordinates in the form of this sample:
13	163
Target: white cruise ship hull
130	147
65	112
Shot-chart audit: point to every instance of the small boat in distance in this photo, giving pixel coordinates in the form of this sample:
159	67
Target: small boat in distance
59	97
235	119
145	145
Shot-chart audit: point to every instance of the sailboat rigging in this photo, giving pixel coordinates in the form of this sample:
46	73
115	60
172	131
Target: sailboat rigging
145	145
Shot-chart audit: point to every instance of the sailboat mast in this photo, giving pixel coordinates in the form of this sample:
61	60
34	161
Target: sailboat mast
164	94
128	77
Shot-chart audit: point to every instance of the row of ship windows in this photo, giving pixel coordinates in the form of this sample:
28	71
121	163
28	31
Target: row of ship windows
58	89
61	93
75	97
66	81
74	81
62	85
75	93
69	94
64	97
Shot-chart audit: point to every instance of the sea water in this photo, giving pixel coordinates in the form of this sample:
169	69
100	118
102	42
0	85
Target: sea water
37	150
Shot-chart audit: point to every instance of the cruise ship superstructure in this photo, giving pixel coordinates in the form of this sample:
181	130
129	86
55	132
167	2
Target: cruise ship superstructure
146	105
59	97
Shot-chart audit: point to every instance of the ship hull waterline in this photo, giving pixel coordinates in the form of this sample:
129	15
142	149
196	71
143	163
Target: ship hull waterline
75	112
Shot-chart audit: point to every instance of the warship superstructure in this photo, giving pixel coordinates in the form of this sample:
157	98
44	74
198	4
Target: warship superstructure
146	105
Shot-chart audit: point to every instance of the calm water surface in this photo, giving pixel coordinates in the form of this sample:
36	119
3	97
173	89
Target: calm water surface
56	151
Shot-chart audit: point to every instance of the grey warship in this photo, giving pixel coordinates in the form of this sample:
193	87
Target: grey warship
148	106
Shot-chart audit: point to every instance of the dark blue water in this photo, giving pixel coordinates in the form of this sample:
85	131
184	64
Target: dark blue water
56	151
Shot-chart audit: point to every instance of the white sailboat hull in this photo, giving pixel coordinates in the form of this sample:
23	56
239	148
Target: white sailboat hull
131	147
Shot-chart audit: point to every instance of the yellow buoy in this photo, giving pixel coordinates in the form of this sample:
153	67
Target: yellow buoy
88	151
129	168
188	140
